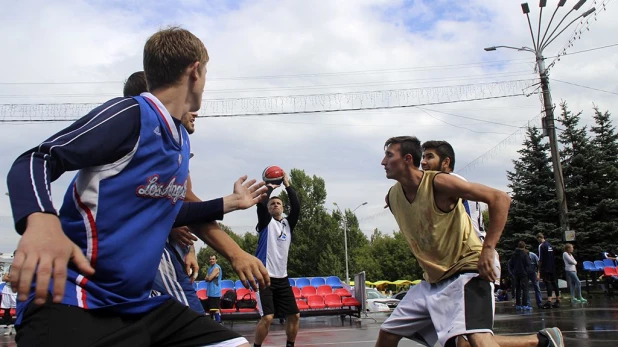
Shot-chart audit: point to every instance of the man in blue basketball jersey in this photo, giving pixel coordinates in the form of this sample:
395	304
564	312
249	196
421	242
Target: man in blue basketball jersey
132	159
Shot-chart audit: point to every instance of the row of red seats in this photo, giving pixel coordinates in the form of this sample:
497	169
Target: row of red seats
331	300
305	292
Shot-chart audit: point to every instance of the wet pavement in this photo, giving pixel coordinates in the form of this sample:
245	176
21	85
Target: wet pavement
594	324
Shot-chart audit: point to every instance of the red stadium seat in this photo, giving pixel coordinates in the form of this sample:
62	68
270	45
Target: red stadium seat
308	291
350	302
324	289
302	305
315	301
332	300
202	294
241	292
342	292
296	291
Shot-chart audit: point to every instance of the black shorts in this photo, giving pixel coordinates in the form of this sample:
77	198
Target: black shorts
213	303
278	299
171	324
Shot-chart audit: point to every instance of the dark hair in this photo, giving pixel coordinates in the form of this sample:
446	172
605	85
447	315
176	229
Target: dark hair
443	149
275	197
213	255
135	84
168	53
521	245
408	145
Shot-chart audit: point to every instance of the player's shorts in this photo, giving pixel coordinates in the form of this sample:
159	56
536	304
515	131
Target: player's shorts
460	305
171	324
213	303
277	299
172	279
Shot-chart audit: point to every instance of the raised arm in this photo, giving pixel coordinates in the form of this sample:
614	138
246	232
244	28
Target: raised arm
448	187
262	210
294	202
105	135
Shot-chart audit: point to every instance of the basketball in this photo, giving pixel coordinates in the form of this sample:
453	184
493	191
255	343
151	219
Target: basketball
273	174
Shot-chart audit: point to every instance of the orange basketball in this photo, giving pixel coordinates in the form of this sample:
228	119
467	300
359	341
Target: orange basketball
273	174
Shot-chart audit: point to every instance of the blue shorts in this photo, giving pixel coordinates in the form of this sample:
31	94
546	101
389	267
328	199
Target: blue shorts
172	279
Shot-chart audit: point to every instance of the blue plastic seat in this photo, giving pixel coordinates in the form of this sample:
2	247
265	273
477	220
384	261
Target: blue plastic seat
201	285
589	266
292	282
318	281
334	282
302	282
599	265
227	284
609	262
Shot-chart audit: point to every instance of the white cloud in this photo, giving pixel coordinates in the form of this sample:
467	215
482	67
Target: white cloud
102	41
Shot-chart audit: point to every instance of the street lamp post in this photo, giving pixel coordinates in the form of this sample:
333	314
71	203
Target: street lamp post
538	45
345	238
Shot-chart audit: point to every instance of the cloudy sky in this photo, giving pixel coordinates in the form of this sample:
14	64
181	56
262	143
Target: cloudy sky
74	52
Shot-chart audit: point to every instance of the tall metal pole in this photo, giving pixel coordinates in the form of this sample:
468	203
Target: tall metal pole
549	124
345	243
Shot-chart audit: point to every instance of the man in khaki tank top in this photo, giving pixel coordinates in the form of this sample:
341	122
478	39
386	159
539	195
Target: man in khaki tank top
440	156
456	297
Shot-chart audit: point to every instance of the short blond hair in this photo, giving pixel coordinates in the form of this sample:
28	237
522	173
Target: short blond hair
168	53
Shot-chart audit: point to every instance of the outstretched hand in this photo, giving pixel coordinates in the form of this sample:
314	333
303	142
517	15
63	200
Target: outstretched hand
44	251
183	236
248	193
250	270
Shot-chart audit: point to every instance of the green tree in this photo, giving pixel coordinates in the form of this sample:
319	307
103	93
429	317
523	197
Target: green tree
394	256
579	172
605	220
204	254
534	207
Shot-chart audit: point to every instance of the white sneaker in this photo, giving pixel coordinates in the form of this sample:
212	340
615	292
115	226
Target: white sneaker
11	331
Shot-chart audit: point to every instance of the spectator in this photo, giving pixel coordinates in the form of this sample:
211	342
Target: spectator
547	271
532	271
570	268
519	266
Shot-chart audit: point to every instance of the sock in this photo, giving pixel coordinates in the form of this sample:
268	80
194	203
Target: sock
289	344
256	345
543	340
218	317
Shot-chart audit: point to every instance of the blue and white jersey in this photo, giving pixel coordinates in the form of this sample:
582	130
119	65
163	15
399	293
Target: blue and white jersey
275	236
213	288
132	158
473	208
180	248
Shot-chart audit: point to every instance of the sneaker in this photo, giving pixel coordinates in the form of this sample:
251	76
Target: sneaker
547	305
575	301
518	308
527	308
10	331
556	304
583	301
554	335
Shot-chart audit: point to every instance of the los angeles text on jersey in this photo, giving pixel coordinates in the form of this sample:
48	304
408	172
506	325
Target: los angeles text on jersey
154	189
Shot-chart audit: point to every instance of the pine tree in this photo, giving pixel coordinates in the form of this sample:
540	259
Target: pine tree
579	172
605	220
534	208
